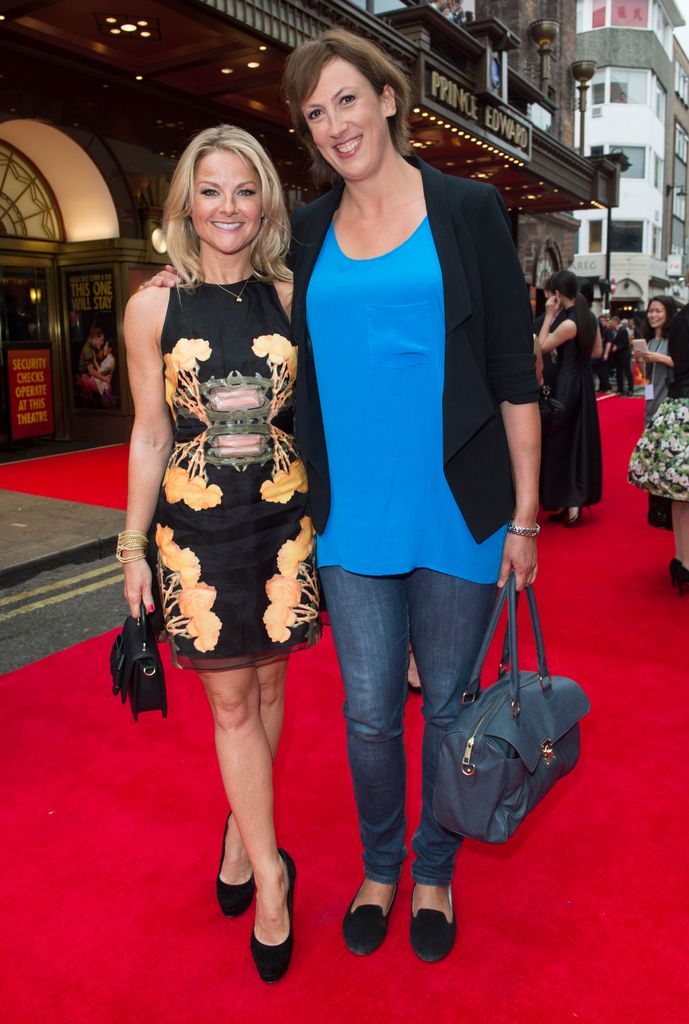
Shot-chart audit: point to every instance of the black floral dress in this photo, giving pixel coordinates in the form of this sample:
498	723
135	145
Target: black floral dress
235	544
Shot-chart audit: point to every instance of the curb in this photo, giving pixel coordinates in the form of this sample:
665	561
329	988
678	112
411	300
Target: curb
92	550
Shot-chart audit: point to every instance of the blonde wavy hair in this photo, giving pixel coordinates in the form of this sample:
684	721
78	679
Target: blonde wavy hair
270	247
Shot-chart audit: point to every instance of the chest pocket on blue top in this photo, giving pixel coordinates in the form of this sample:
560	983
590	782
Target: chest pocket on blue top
398	335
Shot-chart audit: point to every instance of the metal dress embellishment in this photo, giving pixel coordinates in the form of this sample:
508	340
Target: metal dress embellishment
238	408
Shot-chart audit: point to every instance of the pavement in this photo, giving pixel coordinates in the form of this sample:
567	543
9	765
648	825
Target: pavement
41	534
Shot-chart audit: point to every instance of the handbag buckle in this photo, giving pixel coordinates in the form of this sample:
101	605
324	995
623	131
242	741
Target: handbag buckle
149	670
516	709
547	751
468	697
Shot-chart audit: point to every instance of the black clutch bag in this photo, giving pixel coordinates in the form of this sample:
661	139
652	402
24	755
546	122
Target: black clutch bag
136	668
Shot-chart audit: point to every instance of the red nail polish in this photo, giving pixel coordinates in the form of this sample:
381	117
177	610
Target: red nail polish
150	608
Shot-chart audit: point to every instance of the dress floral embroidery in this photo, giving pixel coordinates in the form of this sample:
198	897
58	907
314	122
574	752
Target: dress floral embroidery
235	544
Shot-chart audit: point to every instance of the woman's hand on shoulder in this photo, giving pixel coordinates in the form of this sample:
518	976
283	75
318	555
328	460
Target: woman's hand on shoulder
166	278
519	554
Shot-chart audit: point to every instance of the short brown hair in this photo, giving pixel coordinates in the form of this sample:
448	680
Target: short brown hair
303	69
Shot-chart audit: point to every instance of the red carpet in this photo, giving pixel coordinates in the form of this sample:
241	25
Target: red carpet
96	477
112	831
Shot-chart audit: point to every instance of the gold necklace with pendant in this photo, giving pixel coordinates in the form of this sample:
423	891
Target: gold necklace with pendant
237	298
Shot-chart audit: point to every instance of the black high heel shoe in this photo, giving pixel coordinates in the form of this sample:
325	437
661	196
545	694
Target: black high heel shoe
558	517
674	562
680	576
233	899
272	961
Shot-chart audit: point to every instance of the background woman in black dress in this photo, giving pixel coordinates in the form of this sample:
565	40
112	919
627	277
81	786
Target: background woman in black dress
215	475
571	465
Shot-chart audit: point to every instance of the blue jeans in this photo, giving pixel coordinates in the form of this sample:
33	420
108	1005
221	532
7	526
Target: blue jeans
373	619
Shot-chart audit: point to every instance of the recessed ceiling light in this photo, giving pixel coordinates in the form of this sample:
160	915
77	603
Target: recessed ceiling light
226	71
114	31
111	21
417	110
291	131
263	49
128	27
144	35
253	64
139	78
142	24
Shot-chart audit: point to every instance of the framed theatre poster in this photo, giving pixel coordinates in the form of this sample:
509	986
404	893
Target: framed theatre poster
94	347
30	390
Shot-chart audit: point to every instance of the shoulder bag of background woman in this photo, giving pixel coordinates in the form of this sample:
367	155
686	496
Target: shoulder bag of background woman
511	742
549	408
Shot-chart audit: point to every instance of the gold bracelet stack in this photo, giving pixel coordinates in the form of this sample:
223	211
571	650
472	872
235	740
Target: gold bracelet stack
131	541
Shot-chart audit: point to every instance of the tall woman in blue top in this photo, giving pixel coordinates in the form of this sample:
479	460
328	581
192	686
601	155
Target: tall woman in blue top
418	422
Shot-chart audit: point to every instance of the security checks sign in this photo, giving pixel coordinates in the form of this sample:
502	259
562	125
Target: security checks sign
30	391
508	131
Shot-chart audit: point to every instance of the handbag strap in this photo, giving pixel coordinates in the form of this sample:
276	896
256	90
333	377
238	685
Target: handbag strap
143	624
510	656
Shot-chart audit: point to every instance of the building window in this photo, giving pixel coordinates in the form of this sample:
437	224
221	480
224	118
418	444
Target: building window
677	235
598	20
597	151
627	236
598	87
657	171
636	155
681	142
629	13
660	100
628	86
595	236
682	83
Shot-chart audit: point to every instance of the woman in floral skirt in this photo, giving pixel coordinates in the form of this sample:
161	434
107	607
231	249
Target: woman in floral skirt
660	460
215	478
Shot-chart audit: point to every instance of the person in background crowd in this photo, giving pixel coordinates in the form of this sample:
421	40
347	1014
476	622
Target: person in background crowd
601	366
622	357
660	460
416	515
656	362
571	464
547	364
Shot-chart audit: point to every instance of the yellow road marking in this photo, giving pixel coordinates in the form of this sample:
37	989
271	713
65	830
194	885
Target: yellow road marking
57	598
58	584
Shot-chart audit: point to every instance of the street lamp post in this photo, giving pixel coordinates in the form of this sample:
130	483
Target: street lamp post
583	71
622	161
544	34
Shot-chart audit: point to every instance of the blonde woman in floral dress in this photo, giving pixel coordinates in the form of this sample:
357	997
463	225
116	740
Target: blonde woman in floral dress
216	482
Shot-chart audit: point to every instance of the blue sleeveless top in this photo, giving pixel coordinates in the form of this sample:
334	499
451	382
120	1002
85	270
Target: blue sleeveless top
377	328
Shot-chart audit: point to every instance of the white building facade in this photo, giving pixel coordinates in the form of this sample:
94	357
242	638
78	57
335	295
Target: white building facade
630	111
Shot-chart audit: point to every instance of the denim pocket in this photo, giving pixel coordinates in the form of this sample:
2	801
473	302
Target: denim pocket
398	336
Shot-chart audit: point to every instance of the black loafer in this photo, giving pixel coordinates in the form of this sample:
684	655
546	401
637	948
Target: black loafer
432	935
365	928
233	899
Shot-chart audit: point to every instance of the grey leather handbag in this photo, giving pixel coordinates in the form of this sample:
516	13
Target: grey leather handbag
511	742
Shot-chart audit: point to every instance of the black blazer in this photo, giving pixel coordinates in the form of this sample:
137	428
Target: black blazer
488	344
